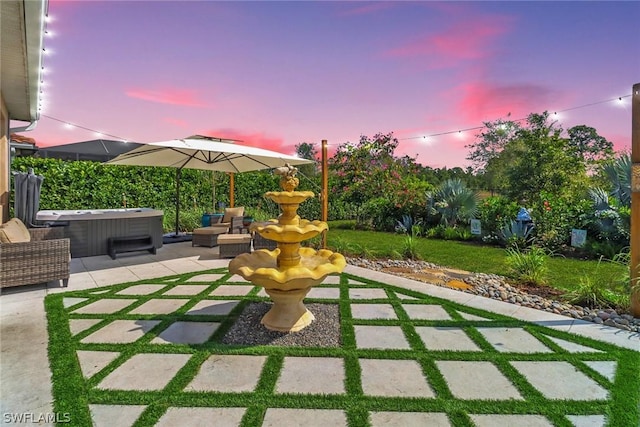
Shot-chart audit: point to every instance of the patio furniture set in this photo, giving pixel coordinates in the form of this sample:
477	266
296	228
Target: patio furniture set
32	255
231	234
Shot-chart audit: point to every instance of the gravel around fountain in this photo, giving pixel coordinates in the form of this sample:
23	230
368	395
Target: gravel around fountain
497	287
324	331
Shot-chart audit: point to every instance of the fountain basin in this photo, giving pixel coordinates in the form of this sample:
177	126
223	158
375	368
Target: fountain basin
289	197
260	268
290	233
287	286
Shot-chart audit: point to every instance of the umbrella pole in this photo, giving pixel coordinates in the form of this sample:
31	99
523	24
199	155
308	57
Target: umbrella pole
232	190
178	173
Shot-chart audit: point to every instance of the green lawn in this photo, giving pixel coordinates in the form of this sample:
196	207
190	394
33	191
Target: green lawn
563	273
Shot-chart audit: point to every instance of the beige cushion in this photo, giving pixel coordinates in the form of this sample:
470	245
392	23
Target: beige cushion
209	230
14	231
231	212
234	238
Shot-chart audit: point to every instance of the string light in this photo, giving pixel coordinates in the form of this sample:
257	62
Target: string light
426	138
619	100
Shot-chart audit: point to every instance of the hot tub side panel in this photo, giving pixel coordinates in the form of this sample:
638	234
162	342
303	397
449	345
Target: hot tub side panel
89	237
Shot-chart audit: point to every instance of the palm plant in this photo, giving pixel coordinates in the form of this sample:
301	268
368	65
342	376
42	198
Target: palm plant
453	201
619	175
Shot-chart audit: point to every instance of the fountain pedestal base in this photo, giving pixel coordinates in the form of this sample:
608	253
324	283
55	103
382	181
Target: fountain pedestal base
288	313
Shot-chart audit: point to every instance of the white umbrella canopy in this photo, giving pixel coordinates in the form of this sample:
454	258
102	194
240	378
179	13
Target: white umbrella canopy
204	153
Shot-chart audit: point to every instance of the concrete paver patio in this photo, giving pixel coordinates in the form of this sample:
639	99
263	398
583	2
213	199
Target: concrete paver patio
458	342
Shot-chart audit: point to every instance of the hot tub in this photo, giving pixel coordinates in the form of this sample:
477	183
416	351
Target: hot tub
89	230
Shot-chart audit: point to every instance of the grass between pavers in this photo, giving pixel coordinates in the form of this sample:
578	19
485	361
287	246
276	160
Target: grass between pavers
73	393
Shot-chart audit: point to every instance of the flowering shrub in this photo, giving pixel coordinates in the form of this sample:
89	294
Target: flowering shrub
494	213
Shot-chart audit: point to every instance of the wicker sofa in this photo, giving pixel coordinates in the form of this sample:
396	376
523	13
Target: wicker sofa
40	256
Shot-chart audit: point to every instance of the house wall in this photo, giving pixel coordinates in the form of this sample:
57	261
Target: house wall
4	162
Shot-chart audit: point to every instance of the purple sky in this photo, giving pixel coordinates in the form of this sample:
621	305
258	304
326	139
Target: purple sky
275	74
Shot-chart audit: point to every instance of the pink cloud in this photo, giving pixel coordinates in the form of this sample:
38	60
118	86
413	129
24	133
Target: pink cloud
255	139
184	97
466	40
481	102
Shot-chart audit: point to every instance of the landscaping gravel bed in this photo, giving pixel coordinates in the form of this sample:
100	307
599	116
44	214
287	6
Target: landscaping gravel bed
496	287
324	331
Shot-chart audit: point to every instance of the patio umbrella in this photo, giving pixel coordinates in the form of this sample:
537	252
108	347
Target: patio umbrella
27	186
204	153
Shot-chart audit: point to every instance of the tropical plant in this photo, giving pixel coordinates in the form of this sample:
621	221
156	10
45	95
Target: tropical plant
516	234
453	201
528	265
410	244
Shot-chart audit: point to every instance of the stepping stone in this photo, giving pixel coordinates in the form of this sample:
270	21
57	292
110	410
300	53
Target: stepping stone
92	362
262	293
105	306
78	325
121	331
382	337
145	371
587	420
367	293
329	293
313	375
476	380
186	333
71	301
406	297
572	347
278	417
373	311
228	374
426	312
401	378
469	316
574	385
206	278
492	420
605	368
446	338
115	415
231	290
141	289
212	307
186	290
238	279
513	340
159	306
198	416
395	419
331	280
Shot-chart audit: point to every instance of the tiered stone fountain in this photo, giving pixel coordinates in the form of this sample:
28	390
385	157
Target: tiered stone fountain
288	272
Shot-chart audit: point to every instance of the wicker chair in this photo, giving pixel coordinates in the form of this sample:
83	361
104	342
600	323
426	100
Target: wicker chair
45	258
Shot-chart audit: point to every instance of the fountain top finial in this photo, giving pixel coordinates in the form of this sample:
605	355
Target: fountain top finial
288	180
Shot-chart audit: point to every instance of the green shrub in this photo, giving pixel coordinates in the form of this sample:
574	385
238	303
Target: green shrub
494	212
528	266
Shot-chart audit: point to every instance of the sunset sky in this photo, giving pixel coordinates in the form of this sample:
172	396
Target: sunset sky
275	74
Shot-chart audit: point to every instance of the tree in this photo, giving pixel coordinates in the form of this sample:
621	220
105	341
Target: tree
539	160
593	149
306	150
491	141
367	174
